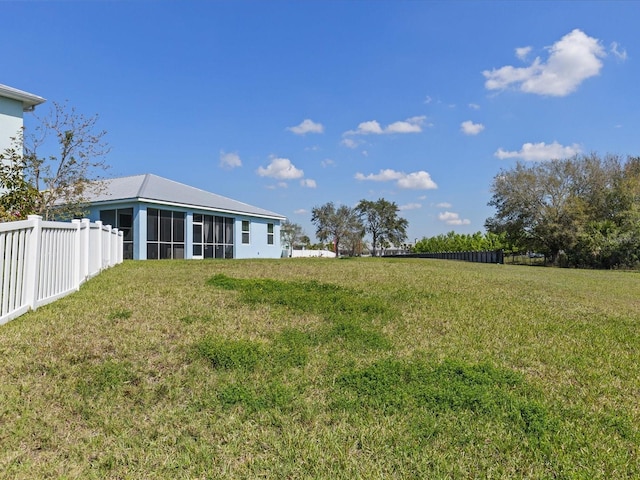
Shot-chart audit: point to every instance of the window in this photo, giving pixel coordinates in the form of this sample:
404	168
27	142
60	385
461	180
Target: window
212	236
122	219
245	231
165	234
270	233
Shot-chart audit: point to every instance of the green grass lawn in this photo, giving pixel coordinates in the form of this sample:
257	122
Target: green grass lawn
316	368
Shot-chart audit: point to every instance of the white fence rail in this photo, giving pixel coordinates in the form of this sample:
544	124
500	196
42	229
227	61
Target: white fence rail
42	261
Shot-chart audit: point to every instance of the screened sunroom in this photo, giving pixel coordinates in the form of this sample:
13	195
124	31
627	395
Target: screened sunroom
163	219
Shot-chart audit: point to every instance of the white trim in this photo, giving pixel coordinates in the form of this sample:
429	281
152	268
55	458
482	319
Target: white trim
182	205
29	100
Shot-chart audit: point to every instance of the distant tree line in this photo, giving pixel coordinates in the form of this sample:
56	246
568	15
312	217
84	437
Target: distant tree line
583	211
461	242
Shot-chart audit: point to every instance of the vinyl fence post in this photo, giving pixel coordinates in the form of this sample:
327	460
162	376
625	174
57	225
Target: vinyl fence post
85	242
98	246
106	245
113	243
120	246
77	254
32	271
106	261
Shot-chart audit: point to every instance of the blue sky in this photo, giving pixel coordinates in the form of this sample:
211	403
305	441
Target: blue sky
288	105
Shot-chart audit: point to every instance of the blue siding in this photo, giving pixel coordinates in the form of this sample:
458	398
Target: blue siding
258	246
10	121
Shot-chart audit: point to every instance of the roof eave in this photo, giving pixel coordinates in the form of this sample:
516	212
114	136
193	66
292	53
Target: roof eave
29	100
152	201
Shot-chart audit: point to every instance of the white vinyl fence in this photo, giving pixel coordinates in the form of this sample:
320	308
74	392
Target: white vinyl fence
42	261
312	253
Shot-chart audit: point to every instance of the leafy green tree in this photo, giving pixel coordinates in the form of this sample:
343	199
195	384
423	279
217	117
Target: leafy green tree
493	241
353	243
457	242
627	197
381	221
18	198
536	207
59	163
611	238
336	224
291	234
305	241
585	206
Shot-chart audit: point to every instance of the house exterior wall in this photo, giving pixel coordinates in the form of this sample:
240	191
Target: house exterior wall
258	246
11	123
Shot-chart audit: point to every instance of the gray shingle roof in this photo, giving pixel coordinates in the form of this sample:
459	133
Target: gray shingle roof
154	188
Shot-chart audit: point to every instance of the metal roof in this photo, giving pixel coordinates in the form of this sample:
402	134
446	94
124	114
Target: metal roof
152	188
29	100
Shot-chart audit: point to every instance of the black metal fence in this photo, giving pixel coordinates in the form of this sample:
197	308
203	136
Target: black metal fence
533	259
485	256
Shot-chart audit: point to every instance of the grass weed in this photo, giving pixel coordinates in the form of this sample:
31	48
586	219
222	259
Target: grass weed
120	315
391	386
349	313
108	376
231	354
312	368
328	300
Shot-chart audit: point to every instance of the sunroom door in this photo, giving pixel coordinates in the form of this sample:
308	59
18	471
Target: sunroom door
198	231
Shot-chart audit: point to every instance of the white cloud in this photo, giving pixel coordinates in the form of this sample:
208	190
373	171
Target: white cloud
327	162
372	127
410	206
307	126
300	211
572	59
451	218
428	100
539	152
619	54
474	106
417	180
280	168
365	128
350	143
411	125
384	176
308	183
230	160
523	52
444	205
470	128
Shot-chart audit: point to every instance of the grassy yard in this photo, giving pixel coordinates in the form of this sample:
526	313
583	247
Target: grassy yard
337	369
